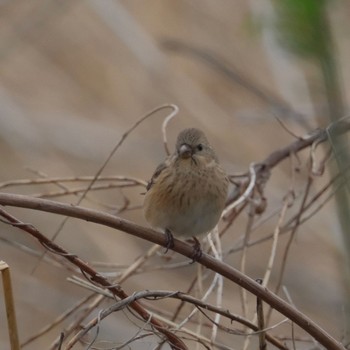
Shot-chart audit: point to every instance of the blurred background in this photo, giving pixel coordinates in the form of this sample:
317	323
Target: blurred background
75	75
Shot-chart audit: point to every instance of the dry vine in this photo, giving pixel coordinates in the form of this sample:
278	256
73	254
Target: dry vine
249	192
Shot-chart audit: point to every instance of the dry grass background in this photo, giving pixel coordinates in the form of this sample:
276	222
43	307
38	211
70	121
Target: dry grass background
74	75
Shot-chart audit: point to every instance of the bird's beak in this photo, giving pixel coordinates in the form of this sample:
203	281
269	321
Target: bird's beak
185	151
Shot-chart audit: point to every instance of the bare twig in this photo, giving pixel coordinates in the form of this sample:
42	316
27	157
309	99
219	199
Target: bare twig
283	125
164	126
288	226
161	294
220	286
10	305
99	298
238	332
274	242
94	277
243	292
317	169
260	171
265	280
71	191
98	173
261	322
290	240
59	180
220	267
285	290
245	195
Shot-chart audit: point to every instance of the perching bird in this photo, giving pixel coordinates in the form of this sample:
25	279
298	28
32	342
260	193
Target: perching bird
186	194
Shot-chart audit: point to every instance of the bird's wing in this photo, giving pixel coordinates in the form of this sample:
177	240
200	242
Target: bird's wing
155	175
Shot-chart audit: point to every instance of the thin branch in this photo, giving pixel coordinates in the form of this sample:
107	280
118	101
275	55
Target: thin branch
290	223
245	195
161	294
94	277
115	222
9	305
278	156
265	280
274	242
261	323
58	180
164	126
220	285
243	292
291	239
75	191
102	167
283	125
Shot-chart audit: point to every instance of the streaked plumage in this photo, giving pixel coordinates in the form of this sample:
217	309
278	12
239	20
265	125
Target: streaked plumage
187	193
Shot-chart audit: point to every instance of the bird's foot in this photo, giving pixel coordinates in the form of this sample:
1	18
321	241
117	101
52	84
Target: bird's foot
197	251
169	240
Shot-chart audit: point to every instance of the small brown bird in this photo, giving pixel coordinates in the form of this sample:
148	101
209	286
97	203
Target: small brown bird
186	194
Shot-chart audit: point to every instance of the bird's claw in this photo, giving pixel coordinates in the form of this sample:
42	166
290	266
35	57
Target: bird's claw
197	251
169	240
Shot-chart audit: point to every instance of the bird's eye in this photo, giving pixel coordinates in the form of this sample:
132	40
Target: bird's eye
200	147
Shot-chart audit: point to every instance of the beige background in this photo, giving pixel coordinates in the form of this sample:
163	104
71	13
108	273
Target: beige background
74	75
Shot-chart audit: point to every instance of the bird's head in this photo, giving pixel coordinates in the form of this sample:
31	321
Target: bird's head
192	143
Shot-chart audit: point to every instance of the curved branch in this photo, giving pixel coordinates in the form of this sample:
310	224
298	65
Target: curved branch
182	248
318	135
162	294
95	277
